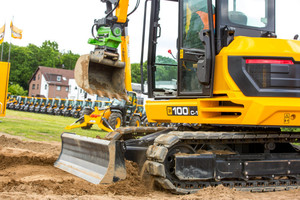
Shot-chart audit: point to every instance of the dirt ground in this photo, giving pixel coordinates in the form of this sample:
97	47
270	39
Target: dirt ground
27	172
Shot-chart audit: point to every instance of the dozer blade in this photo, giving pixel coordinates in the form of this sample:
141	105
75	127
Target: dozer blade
97	73
95	160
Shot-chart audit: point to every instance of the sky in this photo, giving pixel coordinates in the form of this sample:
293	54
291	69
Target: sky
69	22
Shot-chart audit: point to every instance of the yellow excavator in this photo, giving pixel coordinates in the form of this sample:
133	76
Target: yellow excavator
237	98
108	118
4	77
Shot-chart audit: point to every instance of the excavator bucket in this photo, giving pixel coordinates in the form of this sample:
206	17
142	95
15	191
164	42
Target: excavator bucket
102	74
95	160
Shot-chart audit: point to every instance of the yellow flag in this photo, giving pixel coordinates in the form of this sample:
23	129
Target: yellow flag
15	32
2	32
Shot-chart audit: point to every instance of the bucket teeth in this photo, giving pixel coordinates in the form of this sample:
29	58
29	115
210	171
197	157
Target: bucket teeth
96	74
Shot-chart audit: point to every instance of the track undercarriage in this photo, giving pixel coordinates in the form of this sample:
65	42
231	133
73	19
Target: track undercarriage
184	161
253	160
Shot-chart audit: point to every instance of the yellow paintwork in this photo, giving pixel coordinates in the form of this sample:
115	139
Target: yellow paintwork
95	118
4	76
121	11
118	124
106	103
137	111
40	103
43	101
78	107
30	100
22	102
11	100
263	111
126	59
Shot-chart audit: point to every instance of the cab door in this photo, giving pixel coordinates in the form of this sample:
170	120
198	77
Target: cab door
196	48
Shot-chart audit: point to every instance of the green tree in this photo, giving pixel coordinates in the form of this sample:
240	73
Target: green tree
165	72
50	54
165	60
136	72
69	59
22	66
16	89
25	60
162	73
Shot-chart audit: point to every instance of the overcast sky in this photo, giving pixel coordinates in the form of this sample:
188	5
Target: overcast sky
69	22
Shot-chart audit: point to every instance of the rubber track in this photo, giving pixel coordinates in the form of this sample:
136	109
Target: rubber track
164	142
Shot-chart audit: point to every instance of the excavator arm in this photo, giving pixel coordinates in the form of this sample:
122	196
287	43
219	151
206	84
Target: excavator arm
102	72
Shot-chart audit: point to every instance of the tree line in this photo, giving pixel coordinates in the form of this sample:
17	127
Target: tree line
25	61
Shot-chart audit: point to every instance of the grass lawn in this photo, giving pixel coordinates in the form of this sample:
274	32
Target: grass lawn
42	127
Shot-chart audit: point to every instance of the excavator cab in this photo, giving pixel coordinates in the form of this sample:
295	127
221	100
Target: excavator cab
77	108
46	106
43	102
106	103
23	100
87	107
8	96
202	34
36	103
66	111
55	103
14	102
26	103
63	104
12	98
30	103
98	104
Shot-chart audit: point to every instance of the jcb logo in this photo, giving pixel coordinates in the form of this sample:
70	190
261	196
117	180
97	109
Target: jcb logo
169	110
287	118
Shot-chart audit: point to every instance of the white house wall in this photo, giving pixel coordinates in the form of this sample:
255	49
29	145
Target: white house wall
44	91
75	92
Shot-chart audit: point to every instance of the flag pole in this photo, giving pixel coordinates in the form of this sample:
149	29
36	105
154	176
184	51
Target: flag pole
9	50
3	43
2	51
10	40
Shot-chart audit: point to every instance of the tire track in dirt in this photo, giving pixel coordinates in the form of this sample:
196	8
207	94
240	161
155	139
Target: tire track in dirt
28	166
40	147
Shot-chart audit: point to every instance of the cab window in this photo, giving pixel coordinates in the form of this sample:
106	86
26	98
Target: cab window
248	13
